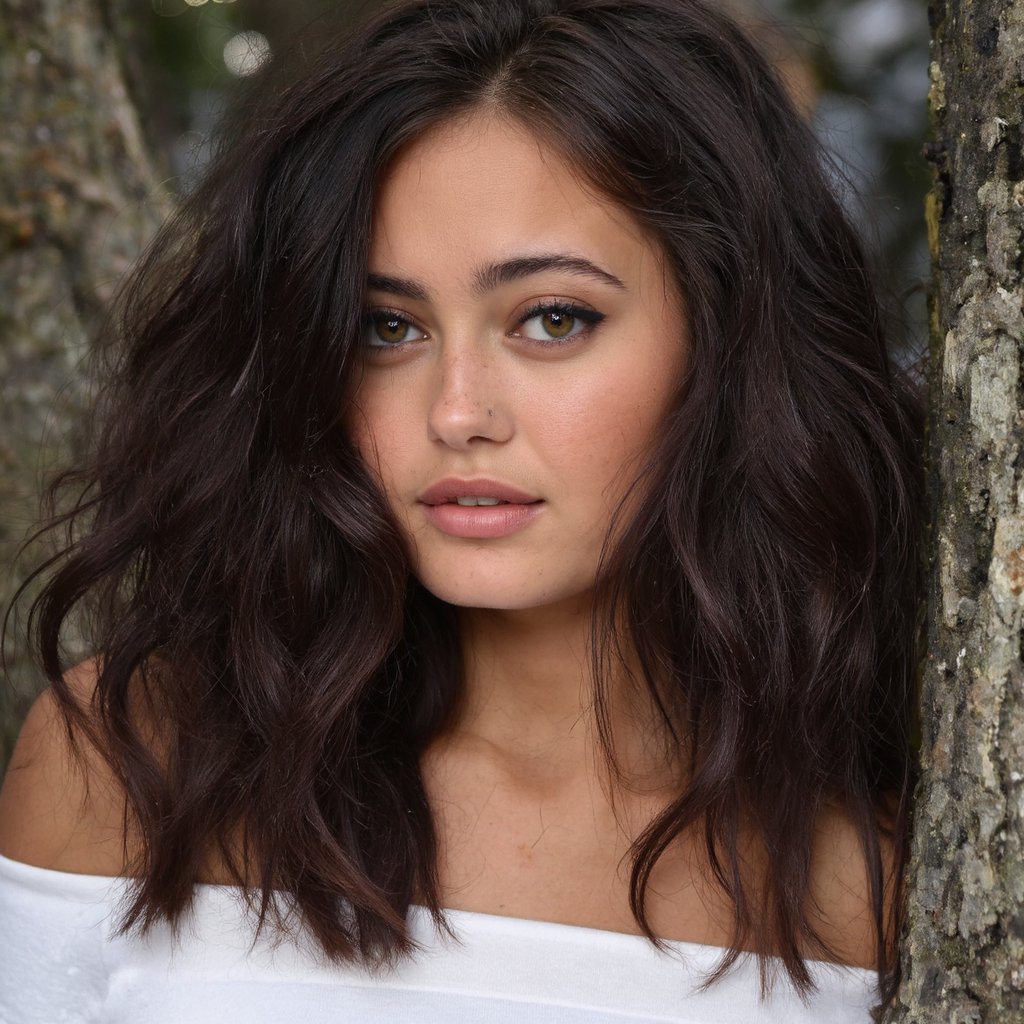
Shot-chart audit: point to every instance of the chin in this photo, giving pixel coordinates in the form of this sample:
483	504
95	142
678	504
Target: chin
497	598
500	592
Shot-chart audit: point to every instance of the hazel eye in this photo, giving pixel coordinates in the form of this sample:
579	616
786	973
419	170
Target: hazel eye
387	329
558	323
554	324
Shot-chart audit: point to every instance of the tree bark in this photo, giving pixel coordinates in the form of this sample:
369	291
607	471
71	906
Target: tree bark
79	197
963	952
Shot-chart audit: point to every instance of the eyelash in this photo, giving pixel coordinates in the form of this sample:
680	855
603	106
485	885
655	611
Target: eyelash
590	318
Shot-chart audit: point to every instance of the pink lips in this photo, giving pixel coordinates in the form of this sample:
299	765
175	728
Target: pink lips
480	521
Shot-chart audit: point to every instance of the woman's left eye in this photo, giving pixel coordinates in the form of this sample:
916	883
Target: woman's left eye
555	323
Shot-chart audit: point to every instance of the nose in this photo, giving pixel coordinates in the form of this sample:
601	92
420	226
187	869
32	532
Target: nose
469	403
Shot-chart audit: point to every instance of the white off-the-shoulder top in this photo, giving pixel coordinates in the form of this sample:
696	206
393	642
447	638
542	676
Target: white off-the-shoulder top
61	963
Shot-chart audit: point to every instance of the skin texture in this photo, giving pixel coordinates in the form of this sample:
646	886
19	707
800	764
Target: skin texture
472	393
476	391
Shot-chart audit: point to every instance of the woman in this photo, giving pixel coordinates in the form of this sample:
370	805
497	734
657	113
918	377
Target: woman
501	535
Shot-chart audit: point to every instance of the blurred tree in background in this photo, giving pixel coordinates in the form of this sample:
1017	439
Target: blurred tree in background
111	109
80	194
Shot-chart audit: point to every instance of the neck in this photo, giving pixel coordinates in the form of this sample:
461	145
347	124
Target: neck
529	694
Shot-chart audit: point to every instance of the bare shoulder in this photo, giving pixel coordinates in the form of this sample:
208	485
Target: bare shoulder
57	810
842	908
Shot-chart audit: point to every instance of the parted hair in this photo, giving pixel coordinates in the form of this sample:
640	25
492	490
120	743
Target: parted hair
242	575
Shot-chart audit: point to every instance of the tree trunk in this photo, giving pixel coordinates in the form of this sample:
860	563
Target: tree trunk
963	953
79	197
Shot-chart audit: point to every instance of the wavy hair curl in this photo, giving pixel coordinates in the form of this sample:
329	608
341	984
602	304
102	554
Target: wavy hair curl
246	577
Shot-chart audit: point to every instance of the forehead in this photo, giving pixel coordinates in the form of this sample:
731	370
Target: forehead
484	187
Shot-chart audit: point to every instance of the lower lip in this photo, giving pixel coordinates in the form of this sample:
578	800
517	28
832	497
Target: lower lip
482	521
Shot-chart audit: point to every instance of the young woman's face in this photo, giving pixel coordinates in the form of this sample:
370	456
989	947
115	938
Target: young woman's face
524	344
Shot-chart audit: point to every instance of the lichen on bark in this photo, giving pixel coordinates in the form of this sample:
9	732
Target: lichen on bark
963	950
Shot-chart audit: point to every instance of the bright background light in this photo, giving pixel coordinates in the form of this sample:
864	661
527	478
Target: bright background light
244	52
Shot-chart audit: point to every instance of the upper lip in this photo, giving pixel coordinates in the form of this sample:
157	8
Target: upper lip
477	487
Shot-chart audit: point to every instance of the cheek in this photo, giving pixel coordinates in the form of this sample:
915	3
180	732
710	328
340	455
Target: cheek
595	431
380	432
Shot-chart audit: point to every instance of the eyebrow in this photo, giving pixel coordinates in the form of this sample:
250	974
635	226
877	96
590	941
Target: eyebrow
490	277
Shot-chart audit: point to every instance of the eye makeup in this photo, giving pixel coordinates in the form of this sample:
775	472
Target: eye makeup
558	322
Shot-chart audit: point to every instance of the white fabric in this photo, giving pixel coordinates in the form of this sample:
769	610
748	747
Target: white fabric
60	963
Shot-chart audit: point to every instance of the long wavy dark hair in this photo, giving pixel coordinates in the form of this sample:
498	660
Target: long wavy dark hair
244	574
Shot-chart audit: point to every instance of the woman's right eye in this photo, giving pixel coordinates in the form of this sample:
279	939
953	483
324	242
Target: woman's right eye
387	329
